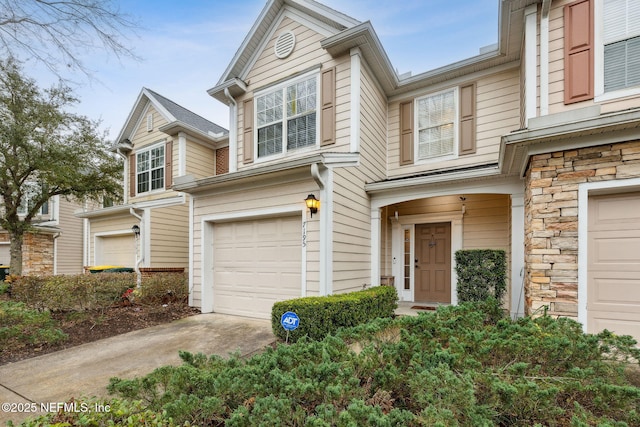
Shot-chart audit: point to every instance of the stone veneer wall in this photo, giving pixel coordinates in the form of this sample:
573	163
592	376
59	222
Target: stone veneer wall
551	219
37	254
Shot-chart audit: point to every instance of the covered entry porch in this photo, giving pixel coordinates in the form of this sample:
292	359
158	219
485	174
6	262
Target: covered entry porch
417	227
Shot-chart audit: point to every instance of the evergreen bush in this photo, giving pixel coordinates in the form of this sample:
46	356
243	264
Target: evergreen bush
482	274
320	316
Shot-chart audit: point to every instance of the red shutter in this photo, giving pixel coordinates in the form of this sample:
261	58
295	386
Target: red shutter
168	164
406	133
247	139
467	143
132	175
328	102
578	51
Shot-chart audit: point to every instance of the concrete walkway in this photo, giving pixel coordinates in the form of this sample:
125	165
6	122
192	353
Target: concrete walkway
84	371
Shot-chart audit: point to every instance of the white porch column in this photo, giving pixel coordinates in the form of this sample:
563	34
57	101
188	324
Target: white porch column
375	246
517	255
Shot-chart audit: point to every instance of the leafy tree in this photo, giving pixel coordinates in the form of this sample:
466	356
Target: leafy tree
55	32
46	151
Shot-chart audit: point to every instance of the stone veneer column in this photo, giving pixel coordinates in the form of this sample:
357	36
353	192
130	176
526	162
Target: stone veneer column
551	219
37	254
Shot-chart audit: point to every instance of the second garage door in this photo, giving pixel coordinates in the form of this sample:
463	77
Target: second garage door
256	263
116	250
613	277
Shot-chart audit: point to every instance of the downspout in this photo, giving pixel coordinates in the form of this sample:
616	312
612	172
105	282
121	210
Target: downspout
326	228
233	130
141	246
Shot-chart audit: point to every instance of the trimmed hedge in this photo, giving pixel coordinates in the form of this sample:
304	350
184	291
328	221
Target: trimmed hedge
482	274
321	316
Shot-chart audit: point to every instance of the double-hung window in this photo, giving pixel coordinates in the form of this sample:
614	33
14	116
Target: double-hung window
621	40
436	117
150	169
286	117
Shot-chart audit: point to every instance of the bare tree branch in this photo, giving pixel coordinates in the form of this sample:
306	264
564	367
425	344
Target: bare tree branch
57	33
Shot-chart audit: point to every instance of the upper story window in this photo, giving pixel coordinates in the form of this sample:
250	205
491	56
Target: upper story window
150	165
286	117
436	118
621	40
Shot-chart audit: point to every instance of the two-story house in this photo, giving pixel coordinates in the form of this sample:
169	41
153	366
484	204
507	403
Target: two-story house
150	229
516	149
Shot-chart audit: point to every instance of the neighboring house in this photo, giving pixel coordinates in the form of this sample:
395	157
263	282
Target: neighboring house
532	147
55	244
159	141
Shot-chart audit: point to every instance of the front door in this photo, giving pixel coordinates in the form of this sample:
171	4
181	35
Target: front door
433	263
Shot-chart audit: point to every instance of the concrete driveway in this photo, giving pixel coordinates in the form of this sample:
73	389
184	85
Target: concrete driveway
85	370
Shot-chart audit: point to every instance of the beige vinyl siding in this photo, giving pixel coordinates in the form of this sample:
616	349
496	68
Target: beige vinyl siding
497	113
143	138
69	243
254	200
352	208
307	53
201	160
115	224
169	237
556	70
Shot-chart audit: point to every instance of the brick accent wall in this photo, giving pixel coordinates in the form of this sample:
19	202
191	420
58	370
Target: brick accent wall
37	254
551	219
222	160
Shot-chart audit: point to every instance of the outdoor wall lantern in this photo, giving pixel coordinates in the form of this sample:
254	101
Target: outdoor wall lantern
136	230
312	204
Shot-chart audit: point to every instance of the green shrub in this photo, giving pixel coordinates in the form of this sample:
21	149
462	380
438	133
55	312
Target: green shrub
165	287
73	292
320	316
20	325
454	366
482	274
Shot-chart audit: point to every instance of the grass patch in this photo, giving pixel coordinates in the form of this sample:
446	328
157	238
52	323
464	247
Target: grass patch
21	325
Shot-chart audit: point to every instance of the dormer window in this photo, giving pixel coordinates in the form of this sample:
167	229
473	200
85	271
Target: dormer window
286	117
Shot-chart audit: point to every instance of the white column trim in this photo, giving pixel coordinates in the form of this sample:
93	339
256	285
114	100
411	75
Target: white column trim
356	72
375	246
233	138
544	58
530	52
191	201
517	256
182	153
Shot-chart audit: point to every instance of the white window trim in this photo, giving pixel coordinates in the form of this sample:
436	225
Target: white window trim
164	165
281	86
598	55
416	132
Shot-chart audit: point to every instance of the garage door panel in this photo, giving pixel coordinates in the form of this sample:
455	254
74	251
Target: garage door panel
256	263
115	250
613	253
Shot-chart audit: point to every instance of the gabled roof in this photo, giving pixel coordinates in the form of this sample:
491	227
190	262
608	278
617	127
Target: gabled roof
232	76
351	33
177	117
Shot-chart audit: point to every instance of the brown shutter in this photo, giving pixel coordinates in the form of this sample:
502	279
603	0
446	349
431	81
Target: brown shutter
247	139
406	133
578	51
328	102
132	175
467	143
168	164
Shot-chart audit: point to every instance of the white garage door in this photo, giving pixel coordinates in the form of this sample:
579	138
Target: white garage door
116	250
613	276
256	263
5	257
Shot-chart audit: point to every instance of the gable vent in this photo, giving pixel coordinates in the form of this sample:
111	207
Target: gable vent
285	44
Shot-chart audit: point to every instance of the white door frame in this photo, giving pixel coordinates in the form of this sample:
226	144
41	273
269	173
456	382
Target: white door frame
397	251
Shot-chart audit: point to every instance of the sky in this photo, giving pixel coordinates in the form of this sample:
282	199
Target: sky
186	46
